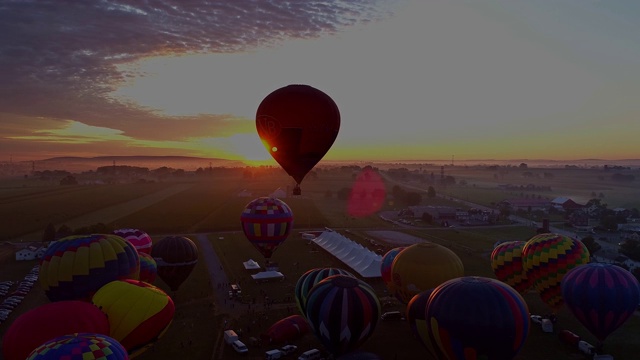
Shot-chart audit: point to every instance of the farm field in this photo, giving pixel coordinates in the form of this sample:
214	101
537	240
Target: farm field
212	208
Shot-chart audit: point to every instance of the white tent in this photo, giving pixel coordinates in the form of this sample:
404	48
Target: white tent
251	265
267	275
360	259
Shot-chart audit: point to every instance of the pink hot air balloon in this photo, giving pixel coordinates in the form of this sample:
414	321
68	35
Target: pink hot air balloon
138	238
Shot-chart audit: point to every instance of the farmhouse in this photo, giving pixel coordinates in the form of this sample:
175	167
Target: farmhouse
565	204
526	204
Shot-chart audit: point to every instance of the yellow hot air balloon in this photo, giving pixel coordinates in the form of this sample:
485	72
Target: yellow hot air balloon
422	267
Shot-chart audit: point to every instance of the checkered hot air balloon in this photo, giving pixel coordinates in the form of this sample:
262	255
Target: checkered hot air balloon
82	346
343	312
266	223
507	265
75	267
546	259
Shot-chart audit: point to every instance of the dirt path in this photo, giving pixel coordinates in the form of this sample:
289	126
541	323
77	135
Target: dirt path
112	213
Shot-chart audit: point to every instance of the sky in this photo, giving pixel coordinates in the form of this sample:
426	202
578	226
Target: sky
413	79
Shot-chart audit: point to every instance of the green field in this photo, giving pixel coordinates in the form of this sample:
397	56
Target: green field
212	207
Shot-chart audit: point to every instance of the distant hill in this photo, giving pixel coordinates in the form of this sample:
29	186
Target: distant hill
80	164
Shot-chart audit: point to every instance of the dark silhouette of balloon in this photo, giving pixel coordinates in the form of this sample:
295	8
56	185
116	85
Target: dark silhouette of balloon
421	267
45	322
297	124
309	279
140	239
546	259
139	313
148	268
266	223
286	330
84	346
75	267
601	296
175	256
343	312
385	265
415	314
477	318
507	264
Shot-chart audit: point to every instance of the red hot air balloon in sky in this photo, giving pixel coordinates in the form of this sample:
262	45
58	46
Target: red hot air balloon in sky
298	124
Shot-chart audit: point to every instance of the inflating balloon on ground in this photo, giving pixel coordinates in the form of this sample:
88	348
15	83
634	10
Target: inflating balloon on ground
84	346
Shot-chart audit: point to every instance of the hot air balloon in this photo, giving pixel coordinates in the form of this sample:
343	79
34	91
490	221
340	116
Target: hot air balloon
266	223
343	312
86	346
416	311
385	265
601	296
309	279
286	330
48	321
421	267
148	268
140	239
297	124
368	194
506	262
477	318
546	259
74	267
139	313
175	256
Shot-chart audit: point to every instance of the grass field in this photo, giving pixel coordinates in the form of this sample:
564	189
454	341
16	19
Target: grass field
213	207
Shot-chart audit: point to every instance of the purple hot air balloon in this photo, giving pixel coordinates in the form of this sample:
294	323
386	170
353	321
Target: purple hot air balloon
601	296
343	312
138	238
266	223
477	318
84	346
309	279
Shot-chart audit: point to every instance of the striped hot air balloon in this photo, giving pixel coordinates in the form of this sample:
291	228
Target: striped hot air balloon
507	265
85	346
343	312
75	267
140	239
416	311
472	318
309	279
601	296
139	313
546	259
266	223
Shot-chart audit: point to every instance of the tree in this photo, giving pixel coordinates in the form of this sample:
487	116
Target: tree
69	180
431	192
413	198
426	217
49	233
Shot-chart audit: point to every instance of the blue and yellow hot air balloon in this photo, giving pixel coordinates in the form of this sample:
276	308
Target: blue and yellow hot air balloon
507	265
266	223
547	258
309	279
148	268
75	267
343	312
475	317
85	346
139	313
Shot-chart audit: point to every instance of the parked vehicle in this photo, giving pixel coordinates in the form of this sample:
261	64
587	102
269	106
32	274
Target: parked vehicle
288	349
239	347
392	315
313	354
230	336
273	354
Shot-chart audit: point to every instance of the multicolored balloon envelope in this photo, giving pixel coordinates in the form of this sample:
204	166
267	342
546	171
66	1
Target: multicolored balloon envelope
385	265
286	330
507	264
546	259
421	267
148	268
266	223
601	296
84	346
45	322
175	256
298	125
416	309
140	239
474	318
309	279
343	312
139	313
75	267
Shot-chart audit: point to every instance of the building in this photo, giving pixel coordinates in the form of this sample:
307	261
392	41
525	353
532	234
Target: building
565	204
526	204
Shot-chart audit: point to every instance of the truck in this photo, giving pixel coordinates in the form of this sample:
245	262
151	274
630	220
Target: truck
230	336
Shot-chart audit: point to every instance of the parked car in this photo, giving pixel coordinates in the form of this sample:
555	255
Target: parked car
288	349
392	315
